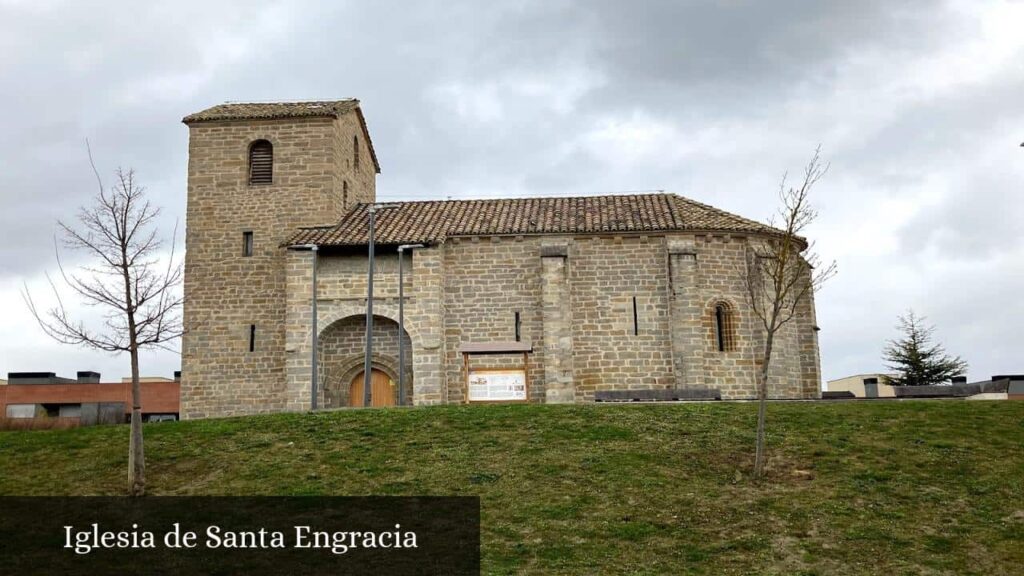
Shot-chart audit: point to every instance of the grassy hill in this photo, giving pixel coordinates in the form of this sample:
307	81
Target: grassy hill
854	488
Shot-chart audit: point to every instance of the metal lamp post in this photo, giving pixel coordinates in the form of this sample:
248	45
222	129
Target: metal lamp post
401	322
367	366
316	333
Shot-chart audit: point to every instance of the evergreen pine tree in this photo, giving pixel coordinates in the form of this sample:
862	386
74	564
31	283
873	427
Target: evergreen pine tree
915	360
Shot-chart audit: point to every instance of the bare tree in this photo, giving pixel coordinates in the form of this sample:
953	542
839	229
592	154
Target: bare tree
126	278
782	274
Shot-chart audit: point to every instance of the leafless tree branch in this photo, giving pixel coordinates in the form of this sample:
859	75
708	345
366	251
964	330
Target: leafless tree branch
139	293
782	273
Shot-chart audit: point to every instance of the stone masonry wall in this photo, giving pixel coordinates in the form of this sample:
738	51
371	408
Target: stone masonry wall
361	180
720	263
226	292
609	353
575	298
487	281
556	317
810	362
341	285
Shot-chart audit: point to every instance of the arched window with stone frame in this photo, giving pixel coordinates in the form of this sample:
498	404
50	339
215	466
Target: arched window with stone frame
723	326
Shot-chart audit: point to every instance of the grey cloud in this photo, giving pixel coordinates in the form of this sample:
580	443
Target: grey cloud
761	82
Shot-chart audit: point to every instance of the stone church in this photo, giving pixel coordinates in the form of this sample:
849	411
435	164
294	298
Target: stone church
570	299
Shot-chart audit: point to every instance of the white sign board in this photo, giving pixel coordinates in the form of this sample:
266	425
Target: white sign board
497	385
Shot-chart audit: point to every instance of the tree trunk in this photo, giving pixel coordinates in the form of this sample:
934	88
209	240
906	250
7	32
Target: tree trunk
136	456
762	396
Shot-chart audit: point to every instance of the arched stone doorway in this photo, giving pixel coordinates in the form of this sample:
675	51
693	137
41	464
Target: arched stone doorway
342	349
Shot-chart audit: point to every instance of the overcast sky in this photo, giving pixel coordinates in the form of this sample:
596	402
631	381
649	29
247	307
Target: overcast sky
919	107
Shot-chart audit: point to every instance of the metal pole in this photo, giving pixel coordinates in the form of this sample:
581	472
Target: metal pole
369	315
401	330
316	335
401	322
367	366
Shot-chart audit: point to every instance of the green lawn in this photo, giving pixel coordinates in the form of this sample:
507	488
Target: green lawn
914	487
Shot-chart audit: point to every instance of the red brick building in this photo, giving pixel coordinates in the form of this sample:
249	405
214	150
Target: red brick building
84	400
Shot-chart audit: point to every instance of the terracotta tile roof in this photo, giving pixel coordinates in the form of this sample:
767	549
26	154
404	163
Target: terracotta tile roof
230	111
434	221
268	110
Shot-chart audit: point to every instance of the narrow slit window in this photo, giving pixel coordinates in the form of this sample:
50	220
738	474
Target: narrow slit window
636	319
247	244
252	337
344	194
355	151
518	328
720	327
261	162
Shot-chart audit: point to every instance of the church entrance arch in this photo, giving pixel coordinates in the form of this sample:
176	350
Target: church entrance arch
342	361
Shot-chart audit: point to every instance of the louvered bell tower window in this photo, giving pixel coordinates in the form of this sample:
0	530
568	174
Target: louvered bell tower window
261	162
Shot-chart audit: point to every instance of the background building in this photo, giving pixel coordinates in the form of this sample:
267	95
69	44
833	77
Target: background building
84	400
875	385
